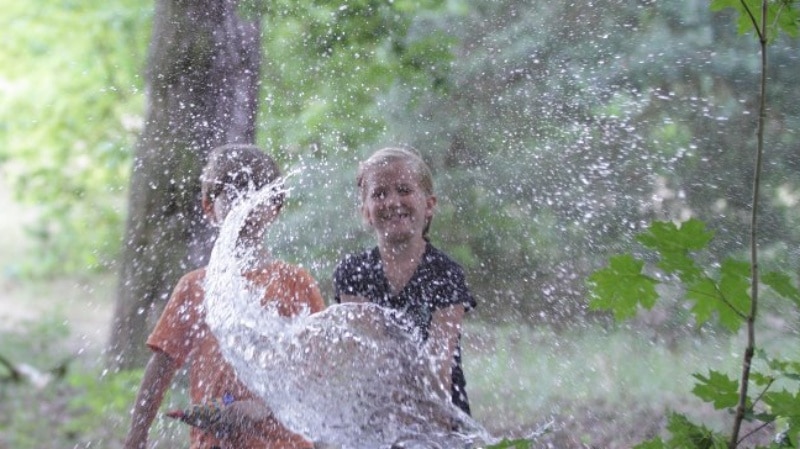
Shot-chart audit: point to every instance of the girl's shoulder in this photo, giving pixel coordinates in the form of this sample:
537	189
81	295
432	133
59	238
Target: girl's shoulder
440	260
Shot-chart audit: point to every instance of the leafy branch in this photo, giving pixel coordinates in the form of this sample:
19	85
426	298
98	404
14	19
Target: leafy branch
624	285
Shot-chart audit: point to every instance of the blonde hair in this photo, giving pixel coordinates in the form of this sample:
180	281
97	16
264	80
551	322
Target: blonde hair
389	155
233	169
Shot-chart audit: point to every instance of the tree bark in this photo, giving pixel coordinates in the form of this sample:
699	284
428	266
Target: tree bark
202	78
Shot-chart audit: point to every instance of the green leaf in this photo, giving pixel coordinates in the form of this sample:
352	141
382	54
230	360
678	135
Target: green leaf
717	389
686	434
789	369
786	405
707	299
761	379
515	444
788	21
719	5
675	244
781	283
665	236
781	16
655	443
734	285
621	287
729	299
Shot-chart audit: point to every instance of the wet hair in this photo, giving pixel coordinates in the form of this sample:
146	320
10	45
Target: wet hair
389	155
235	169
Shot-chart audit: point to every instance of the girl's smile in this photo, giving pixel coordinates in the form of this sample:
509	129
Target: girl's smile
395	205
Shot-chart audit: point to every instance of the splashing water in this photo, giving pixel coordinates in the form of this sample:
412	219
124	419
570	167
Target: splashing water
351	376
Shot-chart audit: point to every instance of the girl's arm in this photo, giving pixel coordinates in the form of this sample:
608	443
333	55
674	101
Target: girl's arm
443	340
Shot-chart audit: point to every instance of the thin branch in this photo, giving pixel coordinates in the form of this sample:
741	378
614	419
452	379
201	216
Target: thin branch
763	392
751	335
722	298
754	20
756	401
754	431
14	374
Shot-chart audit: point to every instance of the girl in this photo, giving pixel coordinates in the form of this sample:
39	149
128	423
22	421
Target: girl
405	271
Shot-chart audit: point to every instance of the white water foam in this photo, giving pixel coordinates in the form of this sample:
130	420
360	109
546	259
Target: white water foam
350	377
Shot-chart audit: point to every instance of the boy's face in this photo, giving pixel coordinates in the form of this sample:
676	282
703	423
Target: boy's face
259	218
395	205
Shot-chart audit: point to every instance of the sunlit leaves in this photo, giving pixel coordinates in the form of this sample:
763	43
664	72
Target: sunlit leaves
782	15
717	389
621	287
72	109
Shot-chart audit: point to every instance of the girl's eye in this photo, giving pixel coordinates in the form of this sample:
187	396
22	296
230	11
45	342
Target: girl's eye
404	190
378	194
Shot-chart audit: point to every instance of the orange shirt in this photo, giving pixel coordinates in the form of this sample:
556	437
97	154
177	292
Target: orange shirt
183	334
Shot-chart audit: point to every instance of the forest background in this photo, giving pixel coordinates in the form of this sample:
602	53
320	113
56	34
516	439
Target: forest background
556	133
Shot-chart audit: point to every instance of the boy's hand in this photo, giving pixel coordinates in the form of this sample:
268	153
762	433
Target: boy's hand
208	417
220	419
244	414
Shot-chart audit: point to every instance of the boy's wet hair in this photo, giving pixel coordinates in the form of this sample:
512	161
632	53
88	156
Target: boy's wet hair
236	169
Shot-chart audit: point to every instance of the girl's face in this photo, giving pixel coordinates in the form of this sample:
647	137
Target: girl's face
395	205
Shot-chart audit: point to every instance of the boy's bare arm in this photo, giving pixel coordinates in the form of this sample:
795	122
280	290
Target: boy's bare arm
157	378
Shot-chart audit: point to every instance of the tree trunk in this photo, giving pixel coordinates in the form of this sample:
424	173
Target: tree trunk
202	77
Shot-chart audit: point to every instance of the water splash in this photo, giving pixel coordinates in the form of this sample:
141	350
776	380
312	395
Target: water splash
349	377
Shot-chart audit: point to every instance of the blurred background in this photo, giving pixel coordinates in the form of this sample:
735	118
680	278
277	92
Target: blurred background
555	130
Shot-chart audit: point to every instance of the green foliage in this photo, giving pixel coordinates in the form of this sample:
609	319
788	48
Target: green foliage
328	64
72	402
511	444
787	405
72	109
782	284
101	398
675	245
728	294
717	389
500	98
36	342
781	16
686	434
724	294
622	287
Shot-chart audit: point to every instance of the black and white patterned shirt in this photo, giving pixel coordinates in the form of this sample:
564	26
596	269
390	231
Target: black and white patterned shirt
437	283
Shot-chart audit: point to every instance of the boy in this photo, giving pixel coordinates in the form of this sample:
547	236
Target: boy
181	334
